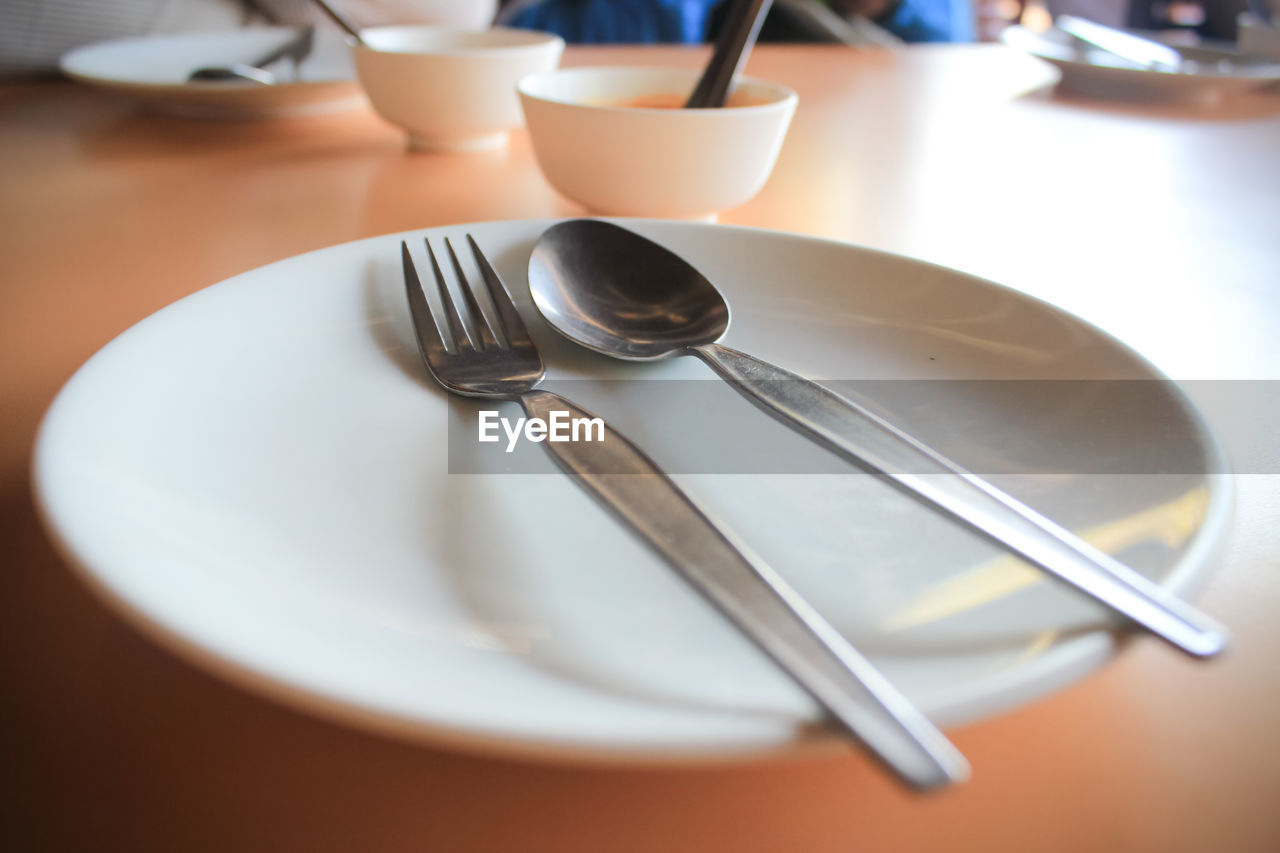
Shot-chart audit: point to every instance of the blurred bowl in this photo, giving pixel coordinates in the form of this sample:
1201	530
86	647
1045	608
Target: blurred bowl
598	147
451	89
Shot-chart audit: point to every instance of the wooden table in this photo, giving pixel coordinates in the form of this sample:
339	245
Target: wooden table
1159	224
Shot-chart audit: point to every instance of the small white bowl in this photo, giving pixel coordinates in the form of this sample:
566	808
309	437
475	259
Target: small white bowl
451	89
643	161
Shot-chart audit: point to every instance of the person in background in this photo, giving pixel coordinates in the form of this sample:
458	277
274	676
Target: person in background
35	33
918	20
693	21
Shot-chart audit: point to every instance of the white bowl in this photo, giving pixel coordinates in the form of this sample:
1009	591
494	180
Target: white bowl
637	161
451	89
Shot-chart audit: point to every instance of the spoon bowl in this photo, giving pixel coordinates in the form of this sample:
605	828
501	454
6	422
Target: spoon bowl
236	72
645	302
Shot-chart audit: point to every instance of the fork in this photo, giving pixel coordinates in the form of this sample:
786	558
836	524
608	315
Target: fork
500	361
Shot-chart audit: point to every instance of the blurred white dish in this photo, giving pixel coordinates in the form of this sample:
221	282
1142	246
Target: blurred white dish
258	476
451	89
649	161
154	69
1087	70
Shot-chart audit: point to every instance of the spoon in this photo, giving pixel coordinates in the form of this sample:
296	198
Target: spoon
620	294
340	20
296	48
735	41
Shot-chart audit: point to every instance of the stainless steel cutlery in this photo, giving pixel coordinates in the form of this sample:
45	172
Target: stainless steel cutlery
618	293
472	355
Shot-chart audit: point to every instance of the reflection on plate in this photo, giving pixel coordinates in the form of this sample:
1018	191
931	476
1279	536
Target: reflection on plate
155	70
258	476
1091	71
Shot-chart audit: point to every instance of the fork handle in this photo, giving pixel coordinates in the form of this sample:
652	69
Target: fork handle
856	433
755	598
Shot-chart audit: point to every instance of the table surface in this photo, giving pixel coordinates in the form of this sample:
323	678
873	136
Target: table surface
1157	223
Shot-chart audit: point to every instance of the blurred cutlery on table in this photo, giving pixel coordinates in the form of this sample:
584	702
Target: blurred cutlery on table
295	49
1143	52
339	19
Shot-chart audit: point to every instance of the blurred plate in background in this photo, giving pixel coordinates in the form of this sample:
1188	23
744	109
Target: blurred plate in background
155	70
1088	70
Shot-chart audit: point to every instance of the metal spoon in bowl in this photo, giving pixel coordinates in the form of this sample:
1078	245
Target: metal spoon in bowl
297	48
735	41
618	293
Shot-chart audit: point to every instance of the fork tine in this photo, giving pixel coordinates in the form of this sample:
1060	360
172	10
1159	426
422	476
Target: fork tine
430	343
509	323
481	324
453	320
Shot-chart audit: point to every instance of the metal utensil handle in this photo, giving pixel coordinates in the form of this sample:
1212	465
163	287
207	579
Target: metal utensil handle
340	20
812	652
289	48
858	434
741	27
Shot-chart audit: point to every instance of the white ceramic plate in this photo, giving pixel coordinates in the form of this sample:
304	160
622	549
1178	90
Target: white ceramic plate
257	475
154	69
1091	71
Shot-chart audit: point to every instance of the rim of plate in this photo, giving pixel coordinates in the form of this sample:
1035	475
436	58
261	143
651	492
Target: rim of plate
1041	47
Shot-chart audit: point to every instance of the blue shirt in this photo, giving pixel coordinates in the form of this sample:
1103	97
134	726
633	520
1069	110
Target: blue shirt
685	21
931	20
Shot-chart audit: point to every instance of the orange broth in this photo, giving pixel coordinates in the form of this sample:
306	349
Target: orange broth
675	101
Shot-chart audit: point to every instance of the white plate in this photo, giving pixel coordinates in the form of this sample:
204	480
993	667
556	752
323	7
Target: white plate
1091	71
155	70
257	475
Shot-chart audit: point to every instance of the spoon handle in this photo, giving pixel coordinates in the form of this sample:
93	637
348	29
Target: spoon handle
817	657
296	48
741	26
856	433
339	19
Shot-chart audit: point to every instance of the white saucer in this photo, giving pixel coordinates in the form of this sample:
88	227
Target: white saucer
257	476
154	69
1094	72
